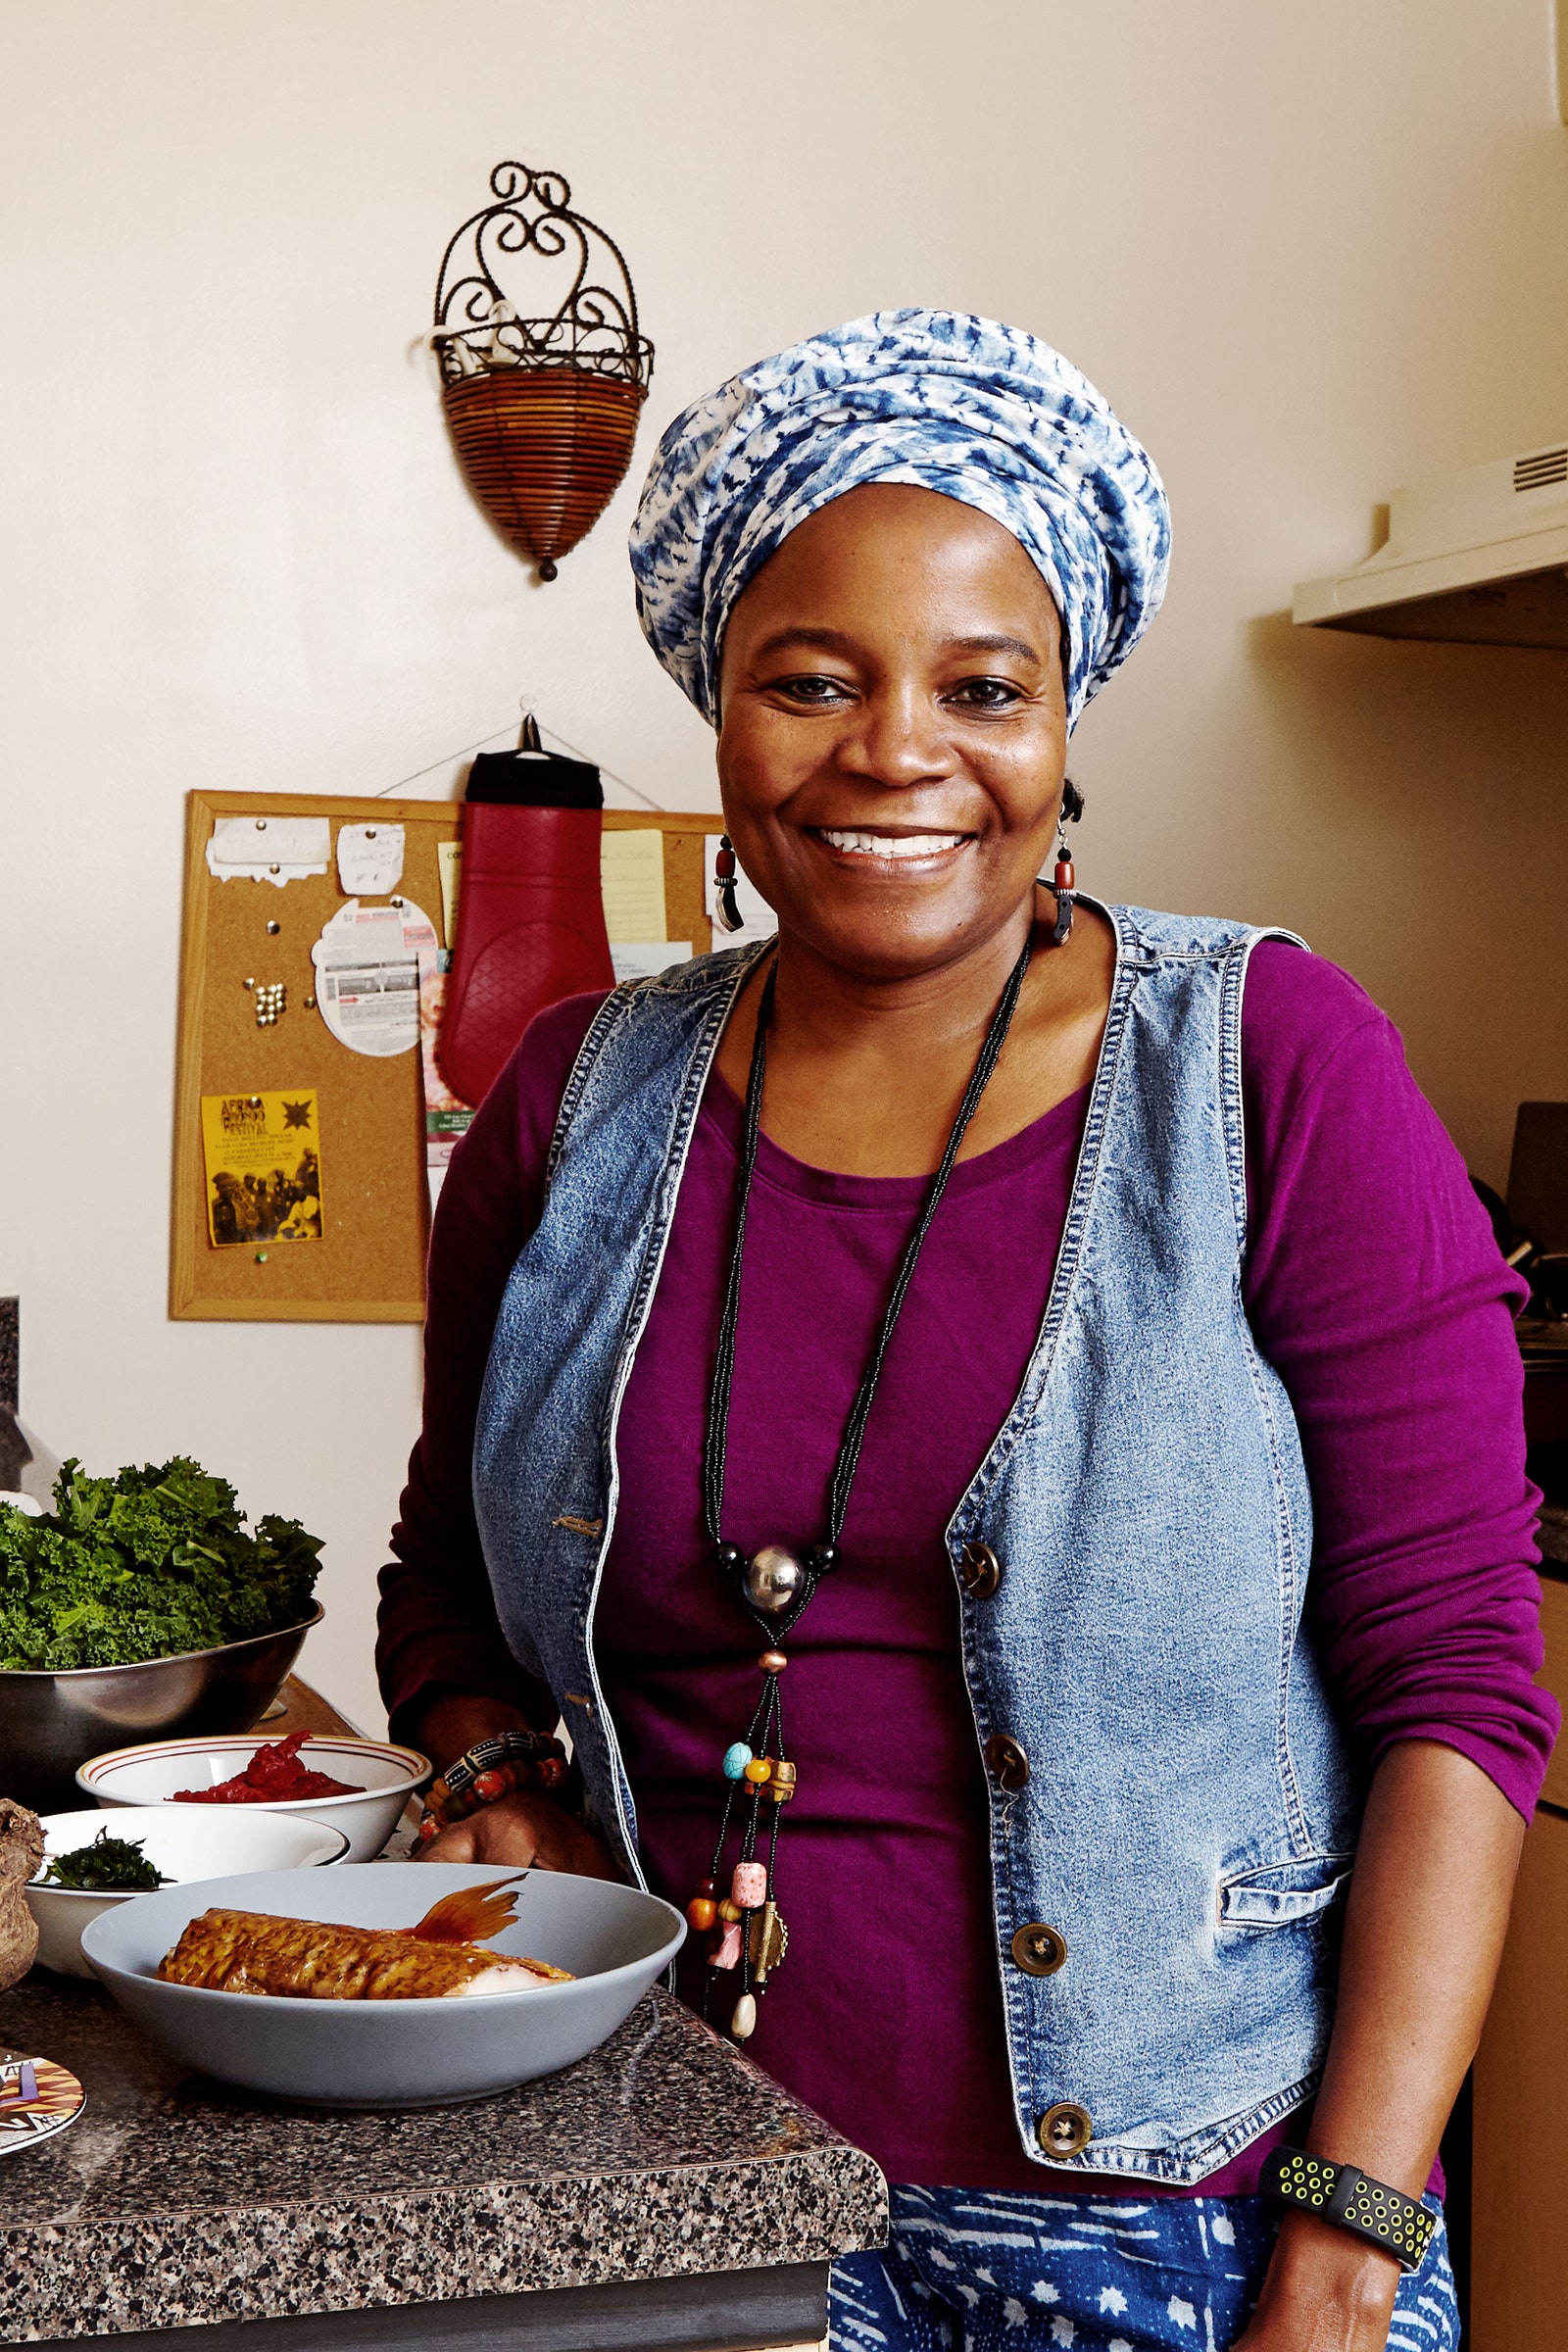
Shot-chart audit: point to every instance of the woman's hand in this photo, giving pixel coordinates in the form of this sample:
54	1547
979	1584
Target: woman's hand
1326	2291
1438	1843
521	1830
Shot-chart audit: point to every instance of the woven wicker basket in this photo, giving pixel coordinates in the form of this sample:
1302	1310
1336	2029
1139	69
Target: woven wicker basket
543	450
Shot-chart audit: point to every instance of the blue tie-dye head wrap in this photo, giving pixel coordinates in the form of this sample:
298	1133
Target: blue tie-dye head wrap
984	413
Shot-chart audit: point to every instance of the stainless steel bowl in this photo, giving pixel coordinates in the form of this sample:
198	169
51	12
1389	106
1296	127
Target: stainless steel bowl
51	1723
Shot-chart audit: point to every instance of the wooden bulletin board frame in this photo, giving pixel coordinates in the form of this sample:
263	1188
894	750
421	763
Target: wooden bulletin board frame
369	1265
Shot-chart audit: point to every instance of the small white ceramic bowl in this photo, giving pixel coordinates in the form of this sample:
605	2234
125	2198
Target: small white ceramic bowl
418	2053
184	1843
382	1776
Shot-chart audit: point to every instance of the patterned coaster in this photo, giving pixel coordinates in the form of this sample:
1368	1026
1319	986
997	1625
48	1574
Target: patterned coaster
37	2099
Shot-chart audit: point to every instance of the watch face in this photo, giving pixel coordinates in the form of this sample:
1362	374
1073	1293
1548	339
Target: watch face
37	2099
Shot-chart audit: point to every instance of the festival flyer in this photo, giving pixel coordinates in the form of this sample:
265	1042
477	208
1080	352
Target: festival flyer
264	1167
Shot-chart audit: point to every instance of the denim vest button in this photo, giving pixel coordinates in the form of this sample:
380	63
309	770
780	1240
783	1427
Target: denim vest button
979	1571
1009	1766
1039	1950
1065	2129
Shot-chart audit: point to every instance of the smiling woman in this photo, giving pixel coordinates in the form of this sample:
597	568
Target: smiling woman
902	1394
892	751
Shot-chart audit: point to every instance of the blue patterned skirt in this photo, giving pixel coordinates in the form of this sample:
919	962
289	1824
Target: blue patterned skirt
979	2271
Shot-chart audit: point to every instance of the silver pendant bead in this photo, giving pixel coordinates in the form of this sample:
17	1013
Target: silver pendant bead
774	1579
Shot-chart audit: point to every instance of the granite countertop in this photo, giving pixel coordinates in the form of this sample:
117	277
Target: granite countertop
174	2202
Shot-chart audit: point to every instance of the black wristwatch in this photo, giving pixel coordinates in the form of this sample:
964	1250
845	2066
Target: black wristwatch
1353	2200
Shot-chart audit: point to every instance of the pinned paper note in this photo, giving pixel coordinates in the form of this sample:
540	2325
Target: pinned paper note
370	859
631	878
368	975
447	1119
758	919
268	849
641	958
264	1167
449	866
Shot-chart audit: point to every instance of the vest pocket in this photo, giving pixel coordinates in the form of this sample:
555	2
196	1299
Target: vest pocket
1284	1891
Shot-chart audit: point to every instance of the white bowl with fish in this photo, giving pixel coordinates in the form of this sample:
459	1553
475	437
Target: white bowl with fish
321	1988
178	1845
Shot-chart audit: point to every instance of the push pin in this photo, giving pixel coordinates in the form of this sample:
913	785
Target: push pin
272	930
271	999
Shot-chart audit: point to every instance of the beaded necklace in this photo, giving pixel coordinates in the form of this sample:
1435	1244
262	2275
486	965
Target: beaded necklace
775	1585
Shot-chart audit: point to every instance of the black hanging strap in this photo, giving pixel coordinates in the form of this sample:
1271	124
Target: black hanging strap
848	1454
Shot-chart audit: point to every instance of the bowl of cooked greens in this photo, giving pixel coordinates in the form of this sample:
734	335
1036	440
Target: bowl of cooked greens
90	1865
140	1607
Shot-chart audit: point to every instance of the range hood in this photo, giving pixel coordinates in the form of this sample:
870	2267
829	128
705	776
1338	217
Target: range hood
1478	558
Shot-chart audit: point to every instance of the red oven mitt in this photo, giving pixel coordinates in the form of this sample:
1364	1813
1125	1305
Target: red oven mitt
530	914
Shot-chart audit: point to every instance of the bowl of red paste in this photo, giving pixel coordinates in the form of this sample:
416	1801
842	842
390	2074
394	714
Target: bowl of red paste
357	1785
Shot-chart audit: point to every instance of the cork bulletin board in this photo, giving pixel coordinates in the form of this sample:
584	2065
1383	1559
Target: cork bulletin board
243	938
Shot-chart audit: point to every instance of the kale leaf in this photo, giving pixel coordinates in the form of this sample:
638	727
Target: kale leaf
149	1564
109	1866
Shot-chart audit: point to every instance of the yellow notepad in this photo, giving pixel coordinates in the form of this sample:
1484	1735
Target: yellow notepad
631	876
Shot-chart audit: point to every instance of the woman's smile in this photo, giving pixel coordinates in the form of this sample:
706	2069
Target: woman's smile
871	845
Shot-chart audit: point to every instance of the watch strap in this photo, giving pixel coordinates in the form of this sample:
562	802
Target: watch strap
1341	2193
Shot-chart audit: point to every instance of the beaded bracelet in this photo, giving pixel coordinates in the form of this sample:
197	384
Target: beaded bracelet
492	1768
1353	2200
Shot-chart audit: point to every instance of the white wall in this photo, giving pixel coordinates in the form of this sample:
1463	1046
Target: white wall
1307	251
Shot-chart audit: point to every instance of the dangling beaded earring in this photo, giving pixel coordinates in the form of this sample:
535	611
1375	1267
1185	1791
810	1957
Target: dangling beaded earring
1062	881
729	913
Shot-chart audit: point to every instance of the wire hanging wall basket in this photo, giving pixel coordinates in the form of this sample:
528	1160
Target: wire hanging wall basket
542	403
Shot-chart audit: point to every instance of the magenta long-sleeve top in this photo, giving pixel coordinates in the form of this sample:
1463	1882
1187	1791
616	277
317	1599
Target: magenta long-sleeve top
1373	1286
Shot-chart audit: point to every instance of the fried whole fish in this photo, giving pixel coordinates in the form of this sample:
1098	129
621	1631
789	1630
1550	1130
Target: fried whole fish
300	1959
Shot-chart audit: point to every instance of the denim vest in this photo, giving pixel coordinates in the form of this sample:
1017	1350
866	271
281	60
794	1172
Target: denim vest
1191	1806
